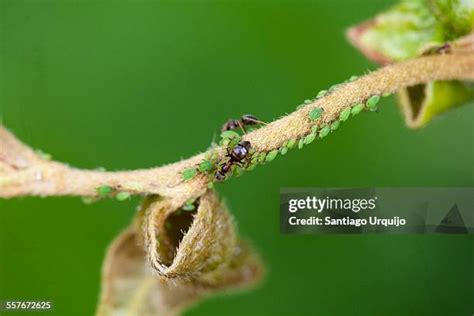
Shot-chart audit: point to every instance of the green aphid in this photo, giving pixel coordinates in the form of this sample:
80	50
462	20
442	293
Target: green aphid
224	142
308	101
88	199
271	155
356	109
334	87
301	143
190	201
251	166
188	207
283	150
104	190
315	113
300	106
353	78
122	196
324	131
291	143
205	166
321	94
230	135
344	115
310	138
210	185
261	157
387	94
43	155
189	173
372	102
314	128
335	125
237	171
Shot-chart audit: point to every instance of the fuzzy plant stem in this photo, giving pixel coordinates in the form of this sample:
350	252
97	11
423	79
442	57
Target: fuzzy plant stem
23	172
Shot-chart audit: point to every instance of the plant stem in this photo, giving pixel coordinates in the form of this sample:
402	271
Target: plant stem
23	173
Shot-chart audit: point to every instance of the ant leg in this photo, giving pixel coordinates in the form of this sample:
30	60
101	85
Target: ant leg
242	127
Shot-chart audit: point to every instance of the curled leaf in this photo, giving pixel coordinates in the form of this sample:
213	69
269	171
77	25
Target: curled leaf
198	245
421	103
419	27
170	258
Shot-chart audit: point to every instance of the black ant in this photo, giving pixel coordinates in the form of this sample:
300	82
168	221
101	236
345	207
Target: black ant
245	120
236	155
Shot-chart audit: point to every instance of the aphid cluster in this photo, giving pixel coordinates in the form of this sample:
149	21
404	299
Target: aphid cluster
241	156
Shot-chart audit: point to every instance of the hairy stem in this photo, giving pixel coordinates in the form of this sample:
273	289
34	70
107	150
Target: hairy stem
24	173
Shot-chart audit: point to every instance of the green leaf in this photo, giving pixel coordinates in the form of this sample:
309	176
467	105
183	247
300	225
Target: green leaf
421	103
408	30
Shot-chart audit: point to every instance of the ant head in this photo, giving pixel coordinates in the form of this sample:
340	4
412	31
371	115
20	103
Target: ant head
230	125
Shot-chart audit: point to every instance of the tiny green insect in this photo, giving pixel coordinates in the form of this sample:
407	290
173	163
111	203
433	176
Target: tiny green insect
251	166
356	109
321	93
188	207
324	131
104	190
205	166
271	155
210	185
301	143
291	143
334	87
308	101
310	138
372	102
122	196
224	142
344	115
189	173
353	78
314	128
261	157
387	94
335	125
283	150
230	135
315	113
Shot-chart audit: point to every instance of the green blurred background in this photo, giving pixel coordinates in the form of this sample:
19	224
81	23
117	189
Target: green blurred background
133	84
